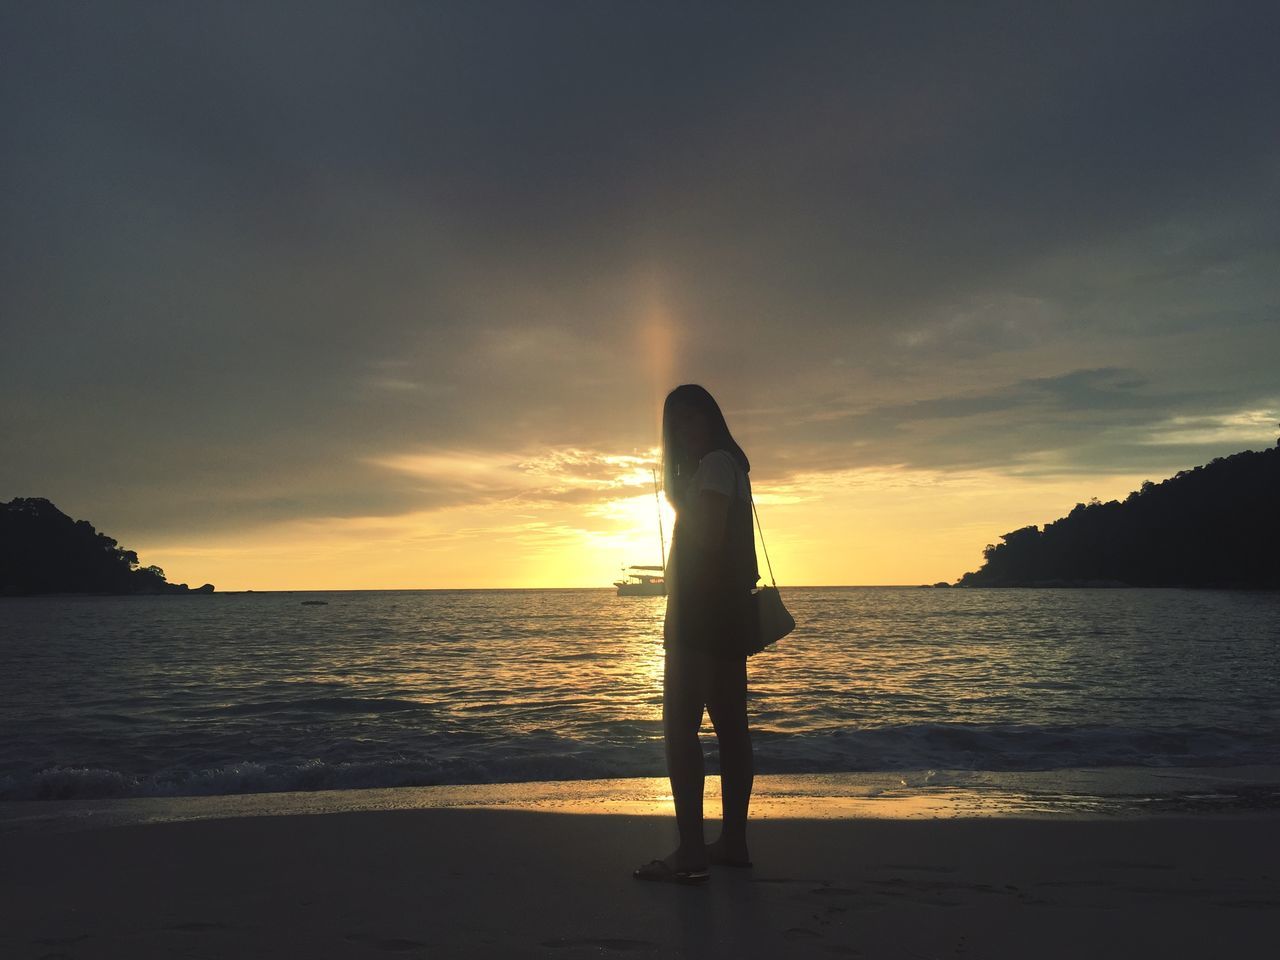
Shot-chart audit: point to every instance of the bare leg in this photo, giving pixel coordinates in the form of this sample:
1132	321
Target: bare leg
683	686
727	704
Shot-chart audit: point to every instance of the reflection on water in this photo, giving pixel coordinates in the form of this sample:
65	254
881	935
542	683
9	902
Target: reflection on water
249	692
917	795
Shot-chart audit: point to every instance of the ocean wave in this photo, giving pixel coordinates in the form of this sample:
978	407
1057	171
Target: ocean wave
1011	747
549	757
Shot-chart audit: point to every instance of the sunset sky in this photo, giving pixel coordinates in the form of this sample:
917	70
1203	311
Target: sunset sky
389	295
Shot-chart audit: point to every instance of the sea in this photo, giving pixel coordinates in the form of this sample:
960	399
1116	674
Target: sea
266	692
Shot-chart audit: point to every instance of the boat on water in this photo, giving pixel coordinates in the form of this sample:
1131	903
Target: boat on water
647	580
642	581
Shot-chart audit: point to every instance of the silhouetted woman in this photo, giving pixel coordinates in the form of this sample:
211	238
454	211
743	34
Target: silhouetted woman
710	621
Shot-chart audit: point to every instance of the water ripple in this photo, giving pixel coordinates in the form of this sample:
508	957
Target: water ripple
252	692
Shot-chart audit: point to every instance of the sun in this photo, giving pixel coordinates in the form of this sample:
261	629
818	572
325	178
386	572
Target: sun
638	526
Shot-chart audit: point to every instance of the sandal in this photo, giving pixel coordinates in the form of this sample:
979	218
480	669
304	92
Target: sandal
658	870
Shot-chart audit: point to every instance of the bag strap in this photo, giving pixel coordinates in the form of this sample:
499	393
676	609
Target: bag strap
760	529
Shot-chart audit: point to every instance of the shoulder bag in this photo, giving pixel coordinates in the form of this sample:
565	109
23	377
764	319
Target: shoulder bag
775	621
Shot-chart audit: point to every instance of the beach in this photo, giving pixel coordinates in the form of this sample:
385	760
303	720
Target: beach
458	881
939	774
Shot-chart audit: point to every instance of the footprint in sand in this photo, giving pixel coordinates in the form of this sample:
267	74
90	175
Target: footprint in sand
605	943
59	941
800	933
392	944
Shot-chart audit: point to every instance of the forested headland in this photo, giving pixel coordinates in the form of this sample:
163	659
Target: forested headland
1217	525
42	550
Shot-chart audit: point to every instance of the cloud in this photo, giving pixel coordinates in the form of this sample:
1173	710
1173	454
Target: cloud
558	476
1103	420
259	264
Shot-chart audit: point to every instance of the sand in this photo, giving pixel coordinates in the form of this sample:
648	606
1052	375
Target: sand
515	883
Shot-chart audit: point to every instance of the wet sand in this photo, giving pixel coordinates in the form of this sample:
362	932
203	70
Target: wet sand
516	883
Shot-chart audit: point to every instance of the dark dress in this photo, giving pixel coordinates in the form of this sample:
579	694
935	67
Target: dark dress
710	606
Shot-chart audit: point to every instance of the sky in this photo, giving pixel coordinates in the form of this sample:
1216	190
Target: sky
388	295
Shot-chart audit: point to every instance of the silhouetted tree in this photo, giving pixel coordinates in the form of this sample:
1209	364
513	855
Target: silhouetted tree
42	550
1216	525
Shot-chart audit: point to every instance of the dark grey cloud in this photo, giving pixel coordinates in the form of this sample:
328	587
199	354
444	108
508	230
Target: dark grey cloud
1089	420
251	249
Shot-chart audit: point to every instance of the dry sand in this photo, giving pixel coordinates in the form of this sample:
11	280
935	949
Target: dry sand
511	883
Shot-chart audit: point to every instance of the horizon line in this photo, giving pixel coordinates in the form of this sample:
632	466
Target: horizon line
796	586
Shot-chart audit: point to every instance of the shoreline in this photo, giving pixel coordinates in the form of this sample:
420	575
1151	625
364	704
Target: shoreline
1053	865
1101	793
611	588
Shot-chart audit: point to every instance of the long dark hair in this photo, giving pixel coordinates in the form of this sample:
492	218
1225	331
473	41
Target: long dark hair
678	464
